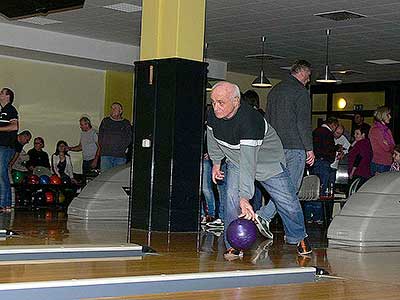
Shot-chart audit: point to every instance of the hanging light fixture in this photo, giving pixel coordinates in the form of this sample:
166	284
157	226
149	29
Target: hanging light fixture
208	84
262	81
328	76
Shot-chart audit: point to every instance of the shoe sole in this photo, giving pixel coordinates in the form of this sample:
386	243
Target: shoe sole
215	229
265	245
215	226
233	257
268	234
304	253
215	233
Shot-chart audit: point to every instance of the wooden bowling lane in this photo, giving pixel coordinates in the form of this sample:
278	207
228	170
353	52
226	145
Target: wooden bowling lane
165	263
328	289
371	274
177	252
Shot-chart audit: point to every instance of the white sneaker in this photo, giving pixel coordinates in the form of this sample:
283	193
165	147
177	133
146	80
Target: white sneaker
261	253
232	254
203	220
263	227
217	223
214	231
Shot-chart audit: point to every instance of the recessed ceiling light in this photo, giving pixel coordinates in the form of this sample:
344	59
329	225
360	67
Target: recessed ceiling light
340	15
384	61
266	56
39	21
286	68
346	72
125	7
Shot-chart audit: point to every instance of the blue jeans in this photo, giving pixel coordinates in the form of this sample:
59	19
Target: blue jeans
332	177
295	164
108	162
283	194
221	186
379	168
208	191
322	168
6	154
256	201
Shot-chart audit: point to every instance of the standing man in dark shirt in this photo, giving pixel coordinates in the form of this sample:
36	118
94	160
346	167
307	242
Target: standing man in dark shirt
325	152
115	135
8	136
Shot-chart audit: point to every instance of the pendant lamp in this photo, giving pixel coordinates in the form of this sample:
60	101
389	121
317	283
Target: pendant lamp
261	81
327	75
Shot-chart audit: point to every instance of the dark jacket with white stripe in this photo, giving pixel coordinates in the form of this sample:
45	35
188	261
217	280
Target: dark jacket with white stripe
247	141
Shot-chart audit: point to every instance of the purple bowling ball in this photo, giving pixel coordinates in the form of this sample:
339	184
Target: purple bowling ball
241	234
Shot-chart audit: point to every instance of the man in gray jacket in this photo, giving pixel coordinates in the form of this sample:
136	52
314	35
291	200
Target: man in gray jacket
289	112
253	151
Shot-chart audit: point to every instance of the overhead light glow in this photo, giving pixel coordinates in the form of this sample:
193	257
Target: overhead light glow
342	103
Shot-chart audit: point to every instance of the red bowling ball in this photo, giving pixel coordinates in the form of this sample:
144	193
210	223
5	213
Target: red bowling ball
54	179
49	196
32	179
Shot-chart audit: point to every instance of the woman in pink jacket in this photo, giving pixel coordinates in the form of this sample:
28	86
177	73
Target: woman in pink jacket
382	141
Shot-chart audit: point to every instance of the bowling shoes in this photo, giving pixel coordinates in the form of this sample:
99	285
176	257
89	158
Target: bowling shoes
215	231
217	224
261	253
263	227
232	254
304	247
206	219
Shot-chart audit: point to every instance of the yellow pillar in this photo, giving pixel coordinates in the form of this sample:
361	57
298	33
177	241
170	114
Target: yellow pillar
119	88
172	28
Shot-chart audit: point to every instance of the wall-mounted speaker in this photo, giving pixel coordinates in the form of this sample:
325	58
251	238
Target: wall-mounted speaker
28	8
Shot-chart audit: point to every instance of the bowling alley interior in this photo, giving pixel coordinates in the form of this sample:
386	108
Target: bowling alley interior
139	77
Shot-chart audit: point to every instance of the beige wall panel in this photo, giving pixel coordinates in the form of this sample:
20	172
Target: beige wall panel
50	99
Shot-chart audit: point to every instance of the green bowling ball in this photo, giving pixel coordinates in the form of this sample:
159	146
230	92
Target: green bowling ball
18	176
61	198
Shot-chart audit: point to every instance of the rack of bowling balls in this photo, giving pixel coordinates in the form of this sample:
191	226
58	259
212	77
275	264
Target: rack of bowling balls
42	191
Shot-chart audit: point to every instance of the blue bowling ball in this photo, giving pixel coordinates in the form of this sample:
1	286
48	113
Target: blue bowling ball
44	179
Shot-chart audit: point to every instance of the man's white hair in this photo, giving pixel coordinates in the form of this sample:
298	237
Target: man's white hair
234	88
